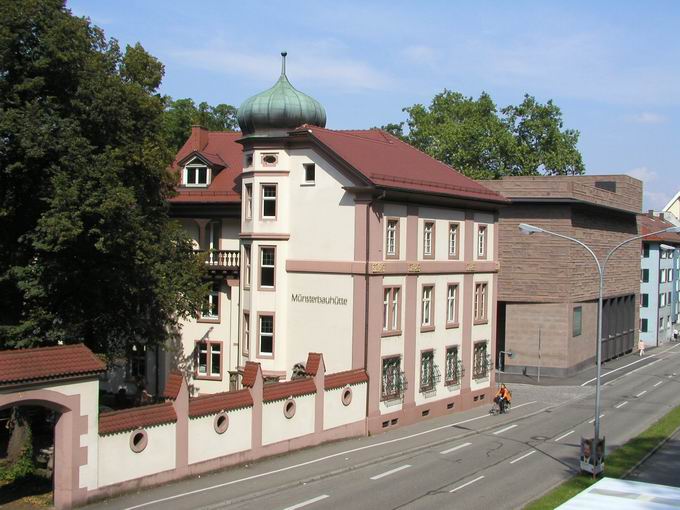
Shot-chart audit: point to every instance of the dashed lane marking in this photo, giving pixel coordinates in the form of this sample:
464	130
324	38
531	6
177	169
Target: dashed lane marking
455	448
619	406
504	429
390	472
640	394
564	435
467	483
620	368
660	382
593	420
308	502
523	456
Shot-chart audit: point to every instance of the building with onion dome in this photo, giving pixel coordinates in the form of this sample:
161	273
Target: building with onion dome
351	244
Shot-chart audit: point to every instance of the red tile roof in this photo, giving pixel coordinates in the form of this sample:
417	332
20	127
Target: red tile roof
313	362
648	224
43	363
282	390
386	161
249	373
138	417
218	402
173	384
340	379
221	150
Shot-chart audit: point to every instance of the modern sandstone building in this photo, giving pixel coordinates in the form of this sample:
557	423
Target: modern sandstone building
351	244
548	287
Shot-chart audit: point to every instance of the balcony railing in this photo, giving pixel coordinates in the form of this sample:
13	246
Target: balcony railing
222	259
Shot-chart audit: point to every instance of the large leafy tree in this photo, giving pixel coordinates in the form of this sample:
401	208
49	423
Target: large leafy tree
87	250
181	114
483	142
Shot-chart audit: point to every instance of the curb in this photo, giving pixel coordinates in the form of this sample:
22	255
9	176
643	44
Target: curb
650	453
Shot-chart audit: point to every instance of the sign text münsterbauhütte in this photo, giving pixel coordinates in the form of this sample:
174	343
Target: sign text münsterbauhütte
321	300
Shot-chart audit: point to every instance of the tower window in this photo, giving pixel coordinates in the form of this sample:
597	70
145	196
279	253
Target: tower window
269	200
310	173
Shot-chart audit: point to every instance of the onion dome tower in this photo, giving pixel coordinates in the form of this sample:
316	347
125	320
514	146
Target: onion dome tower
281	107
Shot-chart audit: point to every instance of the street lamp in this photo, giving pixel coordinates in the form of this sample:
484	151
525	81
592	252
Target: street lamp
525	228
509	354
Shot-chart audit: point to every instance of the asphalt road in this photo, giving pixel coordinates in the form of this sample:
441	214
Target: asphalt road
466	460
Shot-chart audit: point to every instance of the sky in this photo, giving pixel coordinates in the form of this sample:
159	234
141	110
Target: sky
613	67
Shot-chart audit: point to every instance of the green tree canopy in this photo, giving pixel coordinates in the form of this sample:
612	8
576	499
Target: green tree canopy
483	142
181	114
87	250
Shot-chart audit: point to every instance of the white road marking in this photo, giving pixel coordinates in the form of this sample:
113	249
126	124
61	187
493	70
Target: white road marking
565	435
640	394
617	369
593	420
467	483
390	472
619	406
455	448
523	456
505	429
314	461
305	503
525	404
660	382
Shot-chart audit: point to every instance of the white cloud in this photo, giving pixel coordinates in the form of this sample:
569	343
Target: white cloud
643	173
320	66
655	200
648	118
420	54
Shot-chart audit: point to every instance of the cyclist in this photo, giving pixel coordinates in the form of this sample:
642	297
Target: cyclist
503	397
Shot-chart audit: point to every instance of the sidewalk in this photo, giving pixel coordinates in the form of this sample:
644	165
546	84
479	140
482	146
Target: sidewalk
590	372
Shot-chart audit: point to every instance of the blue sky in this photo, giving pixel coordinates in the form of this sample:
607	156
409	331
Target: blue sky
612	66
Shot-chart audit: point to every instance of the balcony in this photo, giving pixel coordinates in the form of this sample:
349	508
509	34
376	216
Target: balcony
221	260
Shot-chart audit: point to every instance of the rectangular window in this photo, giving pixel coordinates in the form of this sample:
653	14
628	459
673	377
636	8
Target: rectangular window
452	305
392	239
645	250
249	201
427	308
480	304
662	300
391	378
211	307
660	323
310	173
136	364
246	334
267	266
269	200
392	311
427	371
644	300
481	242
266	347
453	240
196	175
662	276
480	361
644	276
428	240
246	265
208	359
643	325
454	369
577	321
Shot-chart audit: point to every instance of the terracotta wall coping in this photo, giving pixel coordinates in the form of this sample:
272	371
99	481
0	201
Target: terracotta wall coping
218	402
137	417
283	390
340	379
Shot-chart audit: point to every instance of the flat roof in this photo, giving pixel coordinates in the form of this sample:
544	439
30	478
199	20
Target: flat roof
615	494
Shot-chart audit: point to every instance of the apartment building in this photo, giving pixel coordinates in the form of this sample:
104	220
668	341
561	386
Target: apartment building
548	286
352	244
659	281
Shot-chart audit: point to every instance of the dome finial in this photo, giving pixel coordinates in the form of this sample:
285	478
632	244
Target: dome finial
283	62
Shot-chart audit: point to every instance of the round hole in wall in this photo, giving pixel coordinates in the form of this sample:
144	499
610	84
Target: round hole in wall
138	440
269	159
221	423
346	396
289	408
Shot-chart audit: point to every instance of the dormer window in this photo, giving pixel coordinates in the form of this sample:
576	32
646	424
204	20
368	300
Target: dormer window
196	174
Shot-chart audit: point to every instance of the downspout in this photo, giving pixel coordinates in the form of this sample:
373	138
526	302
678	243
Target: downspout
366	278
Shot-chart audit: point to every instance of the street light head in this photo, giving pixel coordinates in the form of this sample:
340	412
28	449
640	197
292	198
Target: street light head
527	229
510	354
667	247
674	230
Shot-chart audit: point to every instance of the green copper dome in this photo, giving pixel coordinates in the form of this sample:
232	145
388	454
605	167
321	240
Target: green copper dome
280	107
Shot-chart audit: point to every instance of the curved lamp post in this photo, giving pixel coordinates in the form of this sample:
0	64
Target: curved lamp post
525	228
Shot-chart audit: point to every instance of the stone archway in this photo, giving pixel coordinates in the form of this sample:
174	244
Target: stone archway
68	453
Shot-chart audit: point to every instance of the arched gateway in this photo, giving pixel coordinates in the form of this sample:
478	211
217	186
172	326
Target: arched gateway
63	379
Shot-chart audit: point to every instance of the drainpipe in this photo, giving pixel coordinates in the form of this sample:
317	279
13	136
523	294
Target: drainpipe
366	278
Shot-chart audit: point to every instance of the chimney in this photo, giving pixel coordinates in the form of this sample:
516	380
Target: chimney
199	138
650	213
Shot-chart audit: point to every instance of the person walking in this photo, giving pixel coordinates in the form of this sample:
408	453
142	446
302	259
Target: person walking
641	347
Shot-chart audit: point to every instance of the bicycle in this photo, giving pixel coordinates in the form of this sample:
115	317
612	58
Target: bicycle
495	408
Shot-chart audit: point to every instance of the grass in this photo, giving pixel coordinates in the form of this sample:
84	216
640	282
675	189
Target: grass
617	463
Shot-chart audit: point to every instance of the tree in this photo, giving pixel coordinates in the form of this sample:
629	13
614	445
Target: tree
87	249
181	114
472	136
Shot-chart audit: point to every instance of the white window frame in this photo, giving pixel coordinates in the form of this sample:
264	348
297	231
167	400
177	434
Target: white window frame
453	239
249	201
265	334
271	249
426	319
265	199
196	166
391	237
481	240
452	303
428	237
